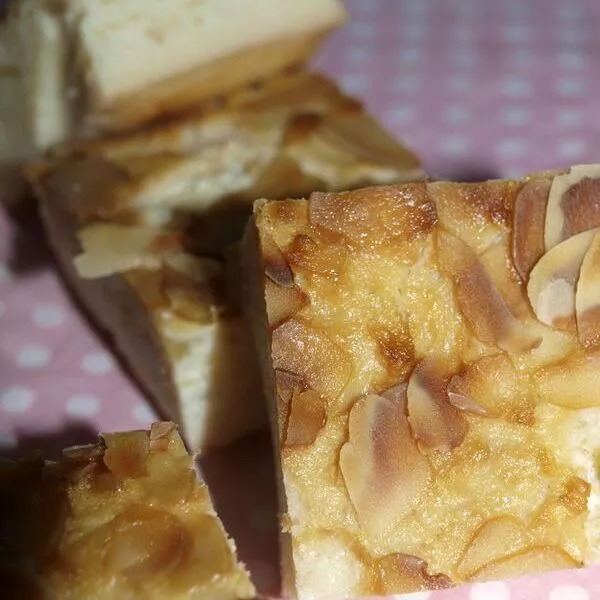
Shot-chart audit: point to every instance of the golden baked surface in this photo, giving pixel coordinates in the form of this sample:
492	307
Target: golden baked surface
124	518
435	355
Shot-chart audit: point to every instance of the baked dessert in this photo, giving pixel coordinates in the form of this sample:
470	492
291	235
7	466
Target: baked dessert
123	518
87	66
138	214
430	352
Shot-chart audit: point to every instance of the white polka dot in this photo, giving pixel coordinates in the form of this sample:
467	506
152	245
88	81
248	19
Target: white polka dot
97	363
571	148
455	114
83	405
5	274
401	114
8	440
511	148
517	87
33	356
516	34
568	592
570	87
454	145
515	116
48	316
355	83
142	413
568	117
262	573
16	399
494	590
571	60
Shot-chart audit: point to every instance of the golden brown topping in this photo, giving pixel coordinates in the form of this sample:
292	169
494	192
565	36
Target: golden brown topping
573	204
551	287
481	303
395	349
276	267
528	225
491	387
83	454
375	216
587	297
282	302
468	210
315	357
322	255
139	542
533	560
306	418
400	573
435	423
494	539
384	472
576	494
126	453
286	384
572	383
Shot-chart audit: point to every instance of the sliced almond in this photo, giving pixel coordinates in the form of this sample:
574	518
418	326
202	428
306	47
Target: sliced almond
575	496
276	267
572	383
306	419
384	472
299	348
110	248
126	453
435	423
551	287
494	539
491	387
533	560
286	384
282	302
587	296
480	302
573	204
528	225
402	573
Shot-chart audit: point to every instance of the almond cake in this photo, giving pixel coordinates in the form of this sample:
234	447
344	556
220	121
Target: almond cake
431	352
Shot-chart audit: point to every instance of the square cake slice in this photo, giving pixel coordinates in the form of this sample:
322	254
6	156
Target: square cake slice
123	518
131	218
431	352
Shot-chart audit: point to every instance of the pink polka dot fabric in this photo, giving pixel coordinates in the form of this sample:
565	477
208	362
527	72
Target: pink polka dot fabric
479	88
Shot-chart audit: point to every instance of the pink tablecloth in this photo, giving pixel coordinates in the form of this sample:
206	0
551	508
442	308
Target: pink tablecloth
480	88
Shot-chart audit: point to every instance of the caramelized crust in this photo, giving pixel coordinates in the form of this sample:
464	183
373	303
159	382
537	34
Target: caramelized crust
458	441
124	518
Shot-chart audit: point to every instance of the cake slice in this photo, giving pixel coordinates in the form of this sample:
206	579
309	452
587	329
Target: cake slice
138	213
123	518
87	66
431	352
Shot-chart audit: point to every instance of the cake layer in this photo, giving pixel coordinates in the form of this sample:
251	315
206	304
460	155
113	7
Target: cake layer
123	518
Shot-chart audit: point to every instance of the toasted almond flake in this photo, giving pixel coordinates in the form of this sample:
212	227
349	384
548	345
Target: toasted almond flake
401	573
282	302
551	287
435	422
275	264
384	472
126	454
306	419
587	296
480	302
573	204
